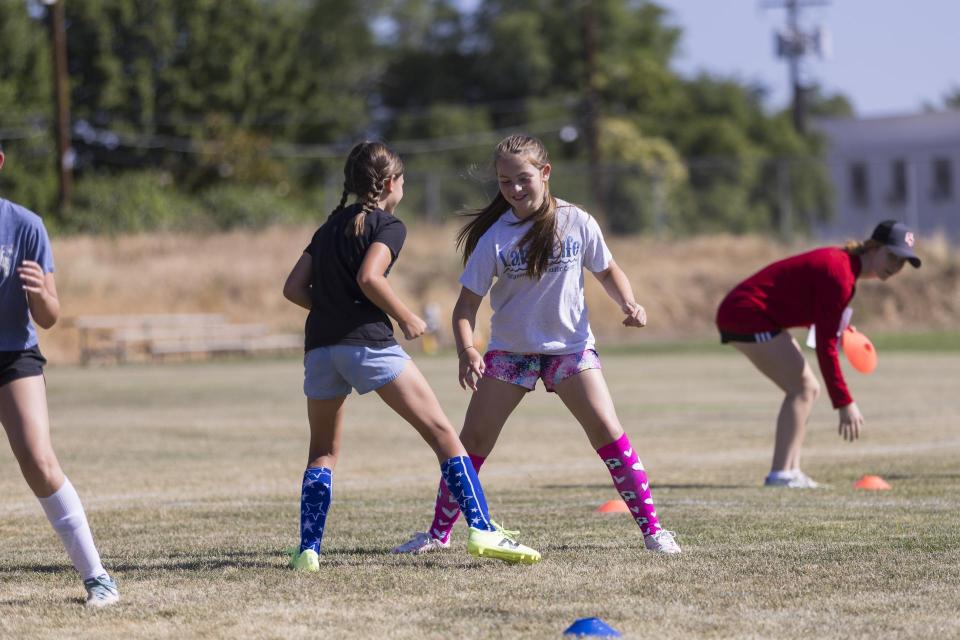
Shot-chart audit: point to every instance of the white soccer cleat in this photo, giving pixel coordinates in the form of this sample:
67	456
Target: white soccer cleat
421	542
662	542
101	591
799	480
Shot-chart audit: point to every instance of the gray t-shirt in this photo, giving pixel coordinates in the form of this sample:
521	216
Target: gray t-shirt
549	315
22	237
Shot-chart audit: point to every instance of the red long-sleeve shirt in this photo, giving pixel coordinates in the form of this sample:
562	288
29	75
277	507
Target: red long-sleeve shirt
810	288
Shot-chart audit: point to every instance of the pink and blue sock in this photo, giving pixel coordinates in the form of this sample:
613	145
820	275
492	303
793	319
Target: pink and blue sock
315	495
445	509
464	486
630	480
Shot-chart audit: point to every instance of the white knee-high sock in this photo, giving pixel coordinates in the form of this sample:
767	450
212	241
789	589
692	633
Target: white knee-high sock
66	514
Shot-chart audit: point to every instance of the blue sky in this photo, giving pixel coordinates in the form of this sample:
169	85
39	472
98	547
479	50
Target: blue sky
890	57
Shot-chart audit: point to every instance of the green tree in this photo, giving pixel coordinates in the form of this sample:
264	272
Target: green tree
26	97
644	177
288	70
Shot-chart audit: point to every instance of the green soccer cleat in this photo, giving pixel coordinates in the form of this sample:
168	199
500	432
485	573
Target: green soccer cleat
308	561
500	544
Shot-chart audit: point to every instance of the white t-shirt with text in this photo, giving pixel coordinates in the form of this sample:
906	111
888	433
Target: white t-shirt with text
549	315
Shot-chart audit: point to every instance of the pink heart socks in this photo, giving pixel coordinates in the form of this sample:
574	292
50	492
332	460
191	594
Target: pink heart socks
631	482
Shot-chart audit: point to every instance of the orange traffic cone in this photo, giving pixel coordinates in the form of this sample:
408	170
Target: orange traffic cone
613	506
872	483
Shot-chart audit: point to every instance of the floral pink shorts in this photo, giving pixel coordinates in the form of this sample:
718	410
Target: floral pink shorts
524	368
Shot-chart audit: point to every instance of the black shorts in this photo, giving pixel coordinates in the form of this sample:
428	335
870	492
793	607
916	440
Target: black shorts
763	336
20	364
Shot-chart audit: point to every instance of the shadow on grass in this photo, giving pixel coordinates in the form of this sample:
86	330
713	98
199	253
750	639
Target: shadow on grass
198	564
698	486
9	571
17	603
923	476
653	486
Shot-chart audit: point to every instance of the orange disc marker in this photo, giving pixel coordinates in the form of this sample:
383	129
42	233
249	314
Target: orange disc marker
613	506
872	483
859	350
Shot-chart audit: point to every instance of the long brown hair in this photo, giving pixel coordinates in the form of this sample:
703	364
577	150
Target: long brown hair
368	167
541	237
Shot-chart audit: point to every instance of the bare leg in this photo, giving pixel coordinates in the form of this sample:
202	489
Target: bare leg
326	424
782	361
587	397
23	412
316	490
490	406
411	397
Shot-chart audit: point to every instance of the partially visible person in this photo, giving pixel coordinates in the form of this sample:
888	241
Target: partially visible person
28	294
812	288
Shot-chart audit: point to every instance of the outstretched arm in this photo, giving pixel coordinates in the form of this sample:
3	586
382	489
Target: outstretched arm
41	292
617	286
374	285
298	285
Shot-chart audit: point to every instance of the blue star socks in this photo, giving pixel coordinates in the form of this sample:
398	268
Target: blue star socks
315	496
445	509
464	486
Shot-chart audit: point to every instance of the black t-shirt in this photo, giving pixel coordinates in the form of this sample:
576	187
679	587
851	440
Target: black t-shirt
340	313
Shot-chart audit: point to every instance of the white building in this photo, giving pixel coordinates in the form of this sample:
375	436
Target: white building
905	168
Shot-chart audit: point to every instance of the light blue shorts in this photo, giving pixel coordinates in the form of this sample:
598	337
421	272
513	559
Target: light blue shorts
333	371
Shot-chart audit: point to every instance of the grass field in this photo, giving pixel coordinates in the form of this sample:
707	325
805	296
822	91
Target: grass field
190	475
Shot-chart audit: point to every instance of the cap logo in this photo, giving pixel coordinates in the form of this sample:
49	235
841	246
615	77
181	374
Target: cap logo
908	238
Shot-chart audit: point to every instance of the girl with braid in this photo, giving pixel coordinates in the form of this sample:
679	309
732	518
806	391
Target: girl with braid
341	278
528	249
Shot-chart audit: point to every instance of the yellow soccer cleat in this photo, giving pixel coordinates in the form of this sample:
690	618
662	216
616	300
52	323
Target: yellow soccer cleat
500	544
308	561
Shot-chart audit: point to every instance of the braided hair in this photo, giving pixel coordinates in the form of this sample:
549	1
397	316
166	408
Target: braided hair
368	167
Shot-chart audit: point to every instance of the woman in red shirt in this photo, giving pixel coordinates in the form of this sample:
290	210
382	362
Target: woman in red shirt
812	288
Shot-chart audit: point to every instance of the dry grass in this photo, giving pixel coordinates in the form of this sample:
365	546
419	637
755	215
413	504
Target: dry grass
241	274
190	474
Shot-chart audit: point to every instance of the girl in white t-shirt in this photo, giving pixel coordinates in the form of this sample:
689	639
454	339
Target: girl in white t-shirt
528	250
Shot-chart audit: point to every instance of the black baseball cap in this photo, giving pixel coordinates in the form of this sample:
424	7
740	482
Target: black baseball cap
898	238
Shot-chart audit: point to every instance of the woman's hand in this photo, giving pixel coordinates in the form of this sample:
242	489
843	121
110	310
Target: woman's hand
851	421
471	368
636	315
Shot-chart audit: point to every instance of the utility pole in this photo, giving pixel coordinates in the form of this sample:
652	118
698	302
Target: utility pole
794	43
592	106
65	153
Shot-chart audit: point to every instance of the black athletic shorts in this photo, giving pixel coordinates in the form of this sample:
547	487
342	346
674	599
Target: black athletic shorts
20	364
763	336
